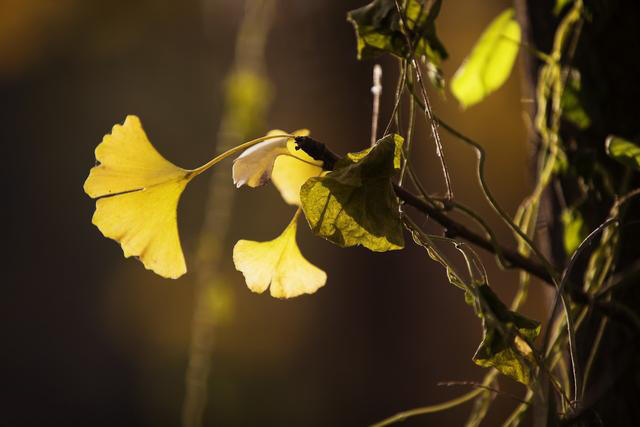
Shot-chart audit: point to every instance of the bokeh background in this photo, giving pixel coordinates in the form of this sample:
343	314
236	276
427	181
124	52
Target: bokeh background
90	338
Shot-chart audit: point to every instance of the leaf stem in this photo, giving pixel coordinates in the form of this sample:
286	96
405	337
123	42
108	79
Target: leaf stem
234	150
485	189
401	416
430	118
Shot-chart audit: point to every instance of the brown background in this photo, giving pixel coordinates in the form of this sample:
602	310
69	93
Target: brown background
93	339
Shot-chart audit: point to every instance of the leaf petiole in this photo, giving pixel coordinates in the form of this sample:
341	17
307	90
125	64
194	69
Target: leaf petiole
234	150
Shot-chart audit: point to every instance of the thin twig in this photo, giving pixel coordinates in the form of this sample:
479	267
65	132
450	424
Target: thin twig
401	416
428	110
485	189
592	354
396	104
560	292
376	90
409	138
480	385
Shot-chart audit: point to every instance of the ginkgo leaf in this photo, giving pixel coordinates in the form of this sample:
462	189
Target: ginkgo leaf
254	166
128	162
278	263
290	172
140	191
277	160
490	61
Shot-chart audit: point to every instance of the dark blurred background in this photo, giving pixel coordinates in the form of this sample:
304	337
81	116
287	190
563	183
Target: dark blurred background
93	339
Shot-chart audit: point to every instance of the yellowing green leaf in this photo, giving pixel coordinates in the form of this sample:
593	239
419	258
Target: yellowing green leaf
293	170
624	151
378	30
355	204
141	192
490	61
507	343
278	263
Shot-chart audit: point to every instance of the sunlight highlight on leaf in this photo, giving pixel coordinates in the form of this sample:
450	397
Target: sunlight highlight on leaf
355	204
254	166
490	62
624	151
140	191
277	160
291	171
278	263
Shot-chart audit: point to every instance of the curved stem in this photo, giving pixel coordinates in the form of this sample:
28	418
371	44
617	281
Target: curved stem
502	262
559	297
401	416
234	150
399	90
430	118
408	139
592	355
485	189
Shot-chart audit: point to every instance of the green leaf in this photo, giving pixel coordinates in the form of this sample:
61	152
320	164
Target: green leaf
624	151
574	102
490	61
355	204
508	338
575	230
379	30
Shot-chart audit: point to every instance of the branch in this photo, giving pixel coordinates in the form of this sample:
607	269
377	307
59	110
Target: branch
615	311
319	151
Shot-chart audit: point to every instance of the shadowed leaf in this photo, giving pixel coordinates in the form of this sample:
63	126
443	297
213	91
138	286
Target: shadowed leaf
378	30
355	204
507	340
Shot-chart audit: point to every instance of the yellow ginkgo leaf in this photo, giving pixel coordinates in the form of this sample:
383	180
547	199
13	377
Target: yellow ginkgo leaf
278	262
290	172
254	166
128	162
279	161
140	191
